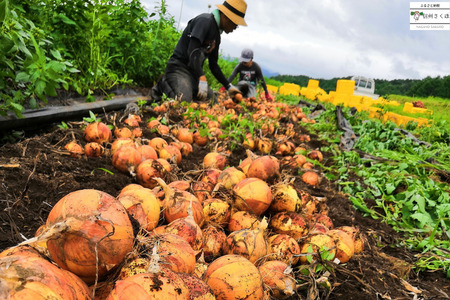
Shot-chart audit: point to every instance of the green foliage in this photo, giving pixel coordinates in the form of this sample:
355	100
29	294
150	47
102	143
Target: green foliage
435	87
289	99
30	70
236	130
4	10
112	43
141	103
301	80
439	106
438	133
383	140
143	47
433	263
87	47
318	261
196	116
273	82
402	177
397	86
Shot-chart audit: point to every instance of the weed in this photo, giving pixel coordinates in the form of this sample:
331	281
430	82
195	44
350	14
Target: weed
104	170
63	125
92	118
141	103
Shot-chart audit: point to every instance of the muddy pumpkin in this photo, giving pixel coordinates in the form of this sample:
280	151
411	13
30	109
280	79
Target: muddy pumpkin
97	132
99	233
25	274
234	277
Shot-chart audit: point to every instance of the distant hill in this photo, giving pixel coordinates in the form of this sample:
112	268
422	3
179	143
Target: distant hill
267	73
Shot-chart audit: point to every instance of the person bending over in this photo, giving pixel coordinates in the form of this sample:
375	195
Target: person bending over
200	40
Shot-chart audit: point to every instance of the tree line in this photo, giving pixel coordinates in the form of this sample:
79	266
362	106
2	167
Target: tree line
427	87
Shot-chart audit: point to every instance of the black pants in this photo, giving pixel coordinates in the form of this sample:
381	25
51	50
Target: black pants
179	83
247	89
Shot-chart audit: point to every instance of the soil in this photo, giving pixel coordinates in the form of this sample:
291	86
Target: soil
36	172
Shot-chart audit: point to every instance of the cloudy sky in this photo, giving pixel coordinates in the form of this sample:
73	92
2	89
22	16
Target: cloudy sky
330	38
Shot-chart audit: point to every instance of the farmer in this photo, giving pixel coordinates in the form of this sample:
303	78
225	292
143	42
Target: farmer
200	40
249	75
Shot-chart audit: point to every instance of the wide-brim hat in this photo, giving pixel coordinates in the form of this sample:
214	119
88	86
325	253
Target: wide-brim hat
234	10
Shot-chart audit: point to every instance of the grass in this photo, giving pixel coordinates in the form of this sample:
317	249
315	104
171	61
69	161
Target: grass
439	106
399	110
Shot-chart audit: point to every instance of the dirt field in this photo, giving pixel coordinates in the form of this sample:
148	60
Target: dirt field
36	172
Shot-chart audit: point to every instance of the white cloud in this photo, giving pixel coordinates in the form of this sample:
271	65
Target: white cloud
330	38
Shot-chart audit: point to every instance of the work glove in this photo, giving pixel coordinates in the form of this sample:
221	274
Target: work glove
202	90
268	97
222	89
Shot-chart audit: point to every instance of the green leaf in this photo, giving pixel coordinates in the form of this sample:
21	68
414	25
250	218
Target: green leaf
50	89
104	170
63	125
423	219
5	44
390	187
90	98
9	63
22	77
403	166
38	50
420	202
56	54
17	108
66	20
40	87
33	103
73	70
362	206
56	66
4	10
444	210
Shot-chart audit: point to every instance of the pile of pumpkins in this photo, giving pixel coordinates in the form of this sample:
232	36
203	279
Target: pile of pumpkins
232	232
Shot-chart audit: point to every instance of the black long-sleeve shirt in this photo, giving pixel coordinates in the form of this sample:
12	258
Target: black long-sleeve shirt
201	33
251	74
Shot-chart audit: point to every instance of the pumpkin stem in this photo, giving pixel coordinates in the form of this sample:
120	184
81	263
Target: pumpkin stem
251	155
169	193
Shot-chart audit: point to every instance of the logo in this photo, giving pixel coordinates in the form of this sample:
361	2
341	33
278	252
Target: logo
429	15
416	15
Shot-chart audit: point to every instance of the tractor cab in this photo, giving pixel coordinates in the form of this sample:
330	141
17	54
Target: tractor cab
364	86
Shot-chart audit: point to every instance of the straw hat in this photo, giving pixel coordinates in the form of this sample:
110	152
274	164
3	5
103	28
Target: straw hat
234	10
